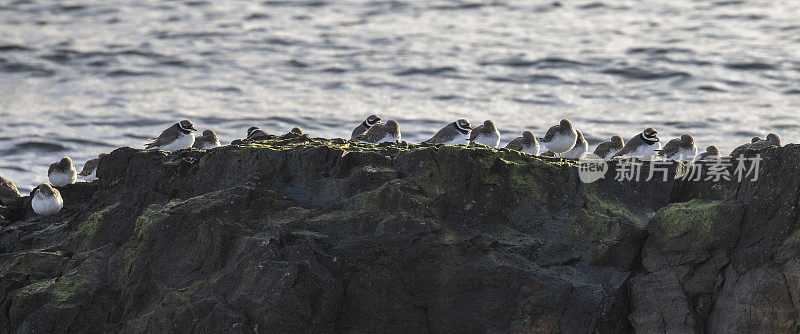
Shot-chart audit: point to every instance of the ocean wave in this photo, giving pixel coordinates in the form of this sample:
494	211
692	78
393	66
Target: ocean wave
711	88
433	71
637	73
30	69
750	66
34	146
14	47
258	16
592	5
294	3
542	63
334	70
529	79
541	100
131	73
657	50
460	6
13	167
84	142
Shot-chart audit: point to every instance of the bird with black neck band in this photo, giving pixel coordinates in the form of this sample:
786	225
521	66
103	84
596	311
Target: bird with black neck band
454	133
179	136
362	128
641	146
388	132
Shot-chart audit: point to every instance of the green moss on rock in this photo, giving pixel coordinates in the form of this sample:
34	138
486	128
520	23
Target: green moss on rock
527	181
47	263
34	288
296	213
679	218
793	238
598	221
615	208
150	216
88	230
61	290
289	142
396	196
489	156
597	228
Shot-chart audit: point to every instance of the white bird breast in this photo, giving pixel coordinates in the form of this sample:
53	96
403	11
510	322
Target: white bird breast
532	149
645	151
182	142
46	205
577	151
208	146
561	144
92	176
389	139
491	140
458	139
685	154
60	179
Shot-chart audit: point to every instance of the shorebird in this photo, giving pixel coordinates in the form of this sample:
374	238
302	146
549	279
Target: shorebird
46	200
207	141
712	152
89	171
364	126
560	138
758	144
176	137
485	134
581	147
381	133
255	133
452	134
62	173
609	148
679	149
643	145
527	143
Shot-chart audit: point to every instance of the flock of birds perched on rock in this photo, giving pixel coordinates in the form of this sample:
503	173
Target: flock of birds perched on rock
561	140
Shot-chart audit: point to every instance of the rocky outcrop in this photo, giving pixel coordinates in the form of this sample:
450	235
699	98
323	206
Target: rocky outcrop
9	201
294	234
727	265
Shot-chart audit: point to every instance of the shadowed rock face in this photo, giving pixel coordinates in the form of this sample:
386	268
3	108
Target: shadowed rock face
727	265
293	234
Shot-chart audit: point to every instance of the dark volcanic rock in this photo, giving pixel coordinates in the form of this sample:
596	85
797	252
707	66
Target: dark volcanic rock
726	266
294	234
8	191
9	201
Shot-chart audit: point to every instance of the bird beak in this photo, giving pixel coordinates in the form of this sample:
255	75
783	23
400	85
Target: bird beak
193	129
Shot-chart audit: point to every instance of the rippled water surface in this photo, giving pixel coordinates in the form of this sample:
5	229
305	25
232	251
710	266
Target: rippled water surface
82	77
